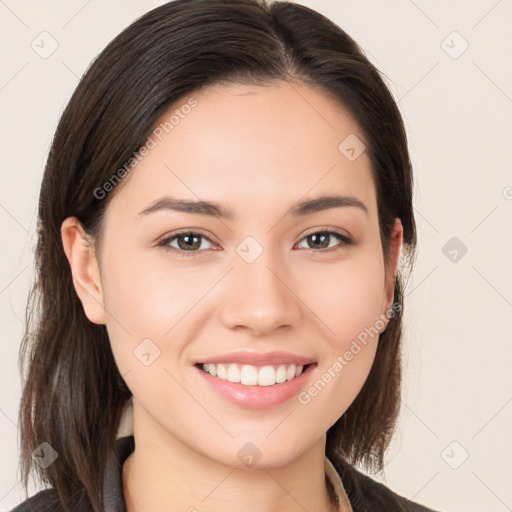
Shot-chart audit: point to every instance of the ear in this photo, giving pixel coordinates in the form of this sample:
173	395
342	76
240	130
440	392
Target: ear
85	271
391	267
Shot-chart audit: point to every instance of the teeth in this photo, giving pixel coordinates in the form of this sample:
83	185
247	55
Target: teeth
221	372
233	373
281	374
249	375
267	376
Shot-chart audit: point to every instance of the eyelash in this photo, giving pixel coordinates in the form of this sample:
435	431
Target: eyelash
345	241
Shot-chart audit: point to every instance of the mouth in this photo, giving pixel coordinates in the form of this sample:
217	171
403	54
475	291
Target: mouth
253	375
255	380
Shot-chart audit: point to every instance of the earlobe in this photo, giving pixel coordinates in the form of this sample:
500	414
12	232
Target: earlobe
84	267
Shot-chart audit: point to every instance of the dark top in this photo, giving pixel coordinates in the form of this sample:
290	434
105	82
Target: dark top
364	493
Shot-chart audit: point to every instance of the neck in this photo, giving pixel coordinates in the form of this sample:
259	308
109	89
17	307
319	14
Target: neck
165	474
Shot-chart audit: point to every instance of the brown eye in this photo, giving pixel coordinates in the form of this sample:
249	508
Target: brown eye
320	240
188	243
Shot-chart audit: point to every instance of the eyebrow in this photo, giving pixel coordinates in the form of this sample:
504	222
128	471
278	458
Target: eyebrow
215	209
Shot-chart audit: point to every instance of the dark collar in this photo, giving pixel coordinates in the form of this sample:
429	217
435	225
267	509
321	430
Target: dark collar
113	500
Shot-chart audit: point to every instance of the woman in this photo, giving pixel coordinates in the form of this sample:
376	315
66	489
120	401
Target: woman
221	221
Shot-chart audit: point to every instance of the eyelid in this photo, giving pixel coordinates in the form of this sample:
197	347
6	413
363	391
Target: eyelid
330	229
345	240
186	231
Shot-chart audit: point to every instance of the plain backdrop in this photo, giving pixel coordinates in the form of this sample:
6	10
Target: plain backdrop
448	66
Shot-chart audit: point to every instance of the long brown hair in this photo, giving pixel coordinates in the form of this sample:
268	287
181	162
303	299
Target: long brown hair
73	394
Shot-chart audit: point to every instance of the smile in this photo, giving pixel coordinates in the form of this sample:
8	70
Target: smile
250	375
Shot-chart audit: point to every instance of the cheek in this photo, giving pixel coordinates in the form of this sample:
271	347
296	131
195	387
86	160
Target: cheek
147	295
151	299
346	297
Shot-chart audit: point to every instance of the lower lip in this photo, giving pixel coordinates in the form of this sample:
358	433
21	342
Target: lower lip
257	397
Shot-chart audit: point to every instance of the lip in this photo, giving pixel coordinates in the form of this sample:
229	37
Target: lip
258	359
257	397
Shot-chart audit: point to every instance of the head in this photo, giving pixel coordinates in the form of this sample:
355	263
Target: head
255	108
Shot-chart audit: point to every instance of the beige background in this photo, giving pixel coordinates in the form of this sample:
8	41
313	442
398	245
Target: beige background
457	108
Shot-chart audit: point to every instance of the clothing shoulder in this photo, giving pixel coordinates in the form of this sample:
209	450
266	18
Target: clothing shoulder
46	500
367	495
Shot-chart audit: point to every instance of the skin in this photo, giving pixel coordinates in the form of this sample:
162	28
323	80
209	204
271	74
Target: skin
252	149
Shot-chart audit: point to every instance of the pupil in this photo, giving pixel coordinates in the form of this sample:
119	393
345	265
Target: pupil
316	238
189	240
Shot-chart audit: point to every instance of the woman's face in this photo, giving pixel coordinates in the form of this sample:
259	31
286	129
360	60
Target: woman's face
262	280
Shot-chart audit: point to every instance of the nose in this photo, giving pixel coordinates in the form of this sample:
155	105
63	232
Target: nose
260	297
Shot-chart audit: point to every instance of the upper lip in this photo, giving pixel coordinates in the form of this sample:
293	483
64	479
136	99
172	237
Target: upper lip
255	358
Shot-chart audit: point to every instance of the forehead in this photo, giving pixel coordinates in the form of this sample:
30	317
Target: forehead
250	147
